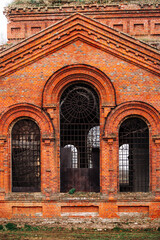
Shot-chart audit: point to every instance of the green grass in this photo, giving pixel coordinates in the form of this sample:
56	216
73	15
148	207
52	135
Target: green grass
48	233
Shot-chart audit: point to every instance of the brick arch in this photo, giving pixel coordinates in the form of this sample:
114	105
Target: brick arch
66	75
18	111
128	109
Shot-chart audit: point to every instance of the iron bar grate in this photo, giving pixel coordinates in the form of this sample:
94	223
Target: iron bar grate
26	156
134	156
79	122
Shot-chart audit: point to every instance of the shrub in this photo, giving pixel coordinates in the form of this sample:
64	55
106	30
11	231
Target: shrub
72	191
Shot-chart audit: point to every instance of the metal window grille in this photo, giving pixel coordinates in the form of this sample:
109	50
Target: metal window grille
73	155
26	169
79	134
134	156
93	142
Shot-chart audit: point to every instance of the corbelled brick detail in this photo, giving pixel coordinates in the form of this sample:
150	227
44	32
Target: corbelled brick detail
141	21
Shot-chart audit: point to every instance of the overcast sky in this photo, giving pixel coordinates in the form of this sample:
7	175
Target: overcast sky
3	21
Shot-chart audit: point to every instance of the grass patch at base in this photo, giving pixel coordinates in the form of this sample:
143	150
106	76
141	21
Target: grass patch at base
48	233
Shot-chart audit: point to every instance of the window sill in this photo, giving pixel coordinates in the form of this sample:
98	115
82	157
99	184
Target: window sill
135	196
22	196
80	196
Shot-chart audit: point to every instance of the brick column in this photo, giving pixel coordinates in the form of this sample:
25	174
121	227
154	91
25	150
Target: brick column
48	168
110	165
54	116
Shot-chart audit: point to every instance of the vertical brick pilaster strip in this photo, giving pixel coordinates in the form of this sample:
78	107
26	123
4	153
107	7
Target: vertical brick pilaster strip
45	165
156	166
112	188
2	162
54	150
157	143
104	167
110	143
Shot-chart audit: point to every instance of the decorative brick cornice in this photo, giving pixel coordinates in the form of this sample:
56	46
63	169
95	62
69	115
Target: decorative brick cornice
79	27
121	7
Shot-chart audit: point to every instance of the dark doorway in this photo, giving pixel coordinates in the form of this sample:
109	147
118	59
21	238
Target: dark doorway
80	138
26	169
134	156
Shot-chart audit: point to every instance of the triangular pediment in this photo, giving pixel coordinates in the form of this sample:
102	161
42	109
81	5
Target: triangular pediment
79	27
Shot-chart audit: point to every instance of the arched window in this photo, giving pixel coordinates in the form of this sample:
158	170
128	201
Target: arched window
26	169
72	161
134	156
79	123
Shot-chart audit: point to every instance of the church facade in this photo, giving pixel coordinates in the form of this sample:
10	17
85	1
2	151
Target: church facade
80	119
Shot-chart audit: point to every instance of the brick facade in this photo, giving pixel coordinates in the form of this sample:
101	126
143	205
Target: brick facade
33	75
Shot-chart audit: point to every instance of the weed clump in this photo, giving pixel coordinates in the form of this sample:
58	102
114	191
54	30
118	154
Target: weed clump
28	227
72	191
1	227
11	226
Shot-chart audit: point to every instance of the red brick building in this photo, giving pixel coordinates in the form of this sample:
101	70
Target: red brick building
80	109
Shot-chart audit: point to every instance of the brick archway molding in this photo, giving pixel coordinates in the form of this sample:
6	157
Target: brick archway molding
111	130
23	110
14	113
132	108
78	72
